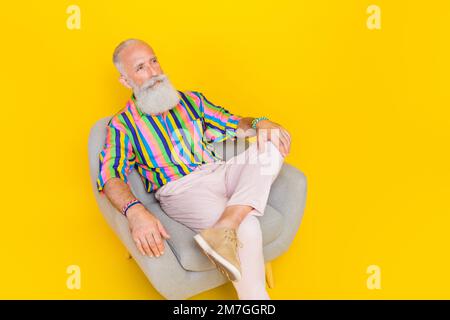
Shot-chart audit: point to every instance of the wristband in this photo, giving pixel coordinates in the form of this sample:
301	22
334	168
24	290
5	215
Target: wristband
129	205
256	120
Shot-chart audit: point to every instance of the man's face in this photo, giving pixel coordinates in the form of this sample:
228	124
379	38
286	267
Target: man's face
139	63
141	72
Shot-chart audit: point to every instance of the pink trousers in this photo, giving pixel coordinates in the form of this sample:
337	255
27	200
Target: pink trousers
198	199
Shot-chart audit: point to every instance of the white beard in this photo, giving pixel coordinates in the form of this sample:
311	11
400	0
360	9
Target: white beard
158	98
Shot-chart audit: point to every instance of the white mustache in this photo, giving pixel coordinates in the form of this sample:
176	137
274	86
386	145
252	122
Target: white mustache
152	81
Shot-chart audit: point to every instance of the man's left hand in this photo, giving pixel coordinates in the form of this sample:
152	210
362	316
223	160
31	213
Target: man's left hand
267	130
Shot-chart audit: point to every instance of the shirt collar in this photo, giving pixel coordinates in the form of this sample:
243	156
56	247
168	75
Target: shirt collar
134	105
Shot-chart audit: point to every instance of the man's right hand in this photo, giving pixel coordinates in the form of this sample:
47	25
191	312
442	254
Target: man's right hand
146	231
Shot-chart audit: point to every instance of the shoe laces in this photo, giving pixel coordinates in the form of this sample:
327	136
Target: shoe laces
230	235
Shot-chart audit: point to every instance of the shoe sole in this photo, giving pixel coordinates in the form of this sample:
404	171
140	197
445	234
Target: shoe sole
231	271
218	266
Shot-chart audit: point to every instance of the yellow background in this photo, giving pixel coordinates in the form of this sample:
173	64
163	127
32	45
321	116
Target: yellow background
368	111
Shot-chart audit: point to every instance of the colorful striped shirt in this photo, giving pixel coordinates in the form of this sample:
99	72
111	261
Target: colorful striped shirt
166	146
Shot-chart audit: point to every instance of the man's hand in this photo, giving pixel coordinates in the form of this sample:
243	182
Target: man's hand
146	231
268	130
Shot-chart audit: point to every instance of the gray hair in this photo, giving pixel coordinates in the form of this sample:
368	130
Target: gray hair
118	50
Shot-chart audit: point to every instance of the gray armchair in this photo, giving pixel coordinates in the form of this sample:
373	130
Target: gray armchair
183	270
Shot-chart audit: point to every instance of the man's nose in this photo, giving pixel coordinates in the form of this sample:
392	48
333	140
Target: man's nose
154	71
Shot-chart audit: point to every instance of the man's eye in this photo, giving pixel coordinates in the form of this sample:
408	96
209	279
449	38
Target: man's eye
139	68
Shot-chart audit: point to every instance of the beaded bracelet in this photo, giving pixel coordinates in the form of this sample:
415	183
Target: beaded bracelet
256	120
129	205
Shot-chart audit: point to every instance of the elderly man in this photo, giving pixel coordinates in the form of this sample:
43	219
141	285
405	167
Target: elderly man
166	135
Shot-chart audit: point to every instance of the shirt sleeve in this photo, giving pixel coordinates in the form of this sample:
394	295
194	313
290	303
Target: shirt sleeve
117	159
220	123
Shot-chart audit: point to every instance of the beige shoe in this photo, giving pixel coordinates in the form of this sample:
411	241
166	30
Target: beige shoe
220	246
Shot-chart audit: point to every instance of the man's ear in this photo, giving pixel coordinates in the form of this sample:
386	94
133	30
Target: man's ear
124	81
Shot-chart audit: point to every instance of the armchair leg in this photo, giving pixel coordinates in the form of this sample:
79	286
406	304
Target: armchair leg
269	275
